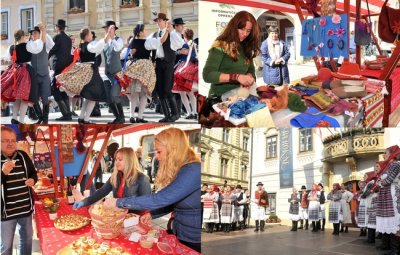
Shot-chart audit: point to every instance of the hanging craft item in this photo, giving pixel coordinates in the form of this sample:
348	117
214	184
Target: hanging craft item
389	24
80	136
41	152
328	7
67	143
362	29
328	32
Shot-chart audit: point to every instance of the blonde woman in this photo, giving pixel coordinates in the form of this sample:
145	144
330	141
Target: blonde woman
125	181
178	185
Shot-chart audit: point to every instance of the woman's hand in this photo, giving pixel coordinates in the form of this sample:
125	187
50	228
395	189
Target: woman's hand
246	80
110	202
145	219
278	61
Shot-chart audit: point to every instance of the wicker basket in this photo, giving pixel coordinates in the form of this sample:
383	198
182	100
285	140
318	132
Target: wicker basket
108	227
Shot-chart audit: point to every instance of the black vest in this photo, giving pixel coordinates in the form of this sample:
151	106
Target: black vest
169	54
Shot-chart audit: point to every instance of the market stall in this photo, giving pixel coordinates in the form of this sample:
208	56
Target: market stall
60	152
358	95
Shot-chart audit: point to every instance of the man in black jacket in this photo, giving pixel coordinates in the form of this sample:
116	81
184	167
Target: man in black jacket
18	175
60	57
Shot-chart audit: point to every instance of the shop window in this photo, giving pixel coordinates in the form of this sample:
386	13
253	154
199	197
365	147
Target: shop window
271	147
305	140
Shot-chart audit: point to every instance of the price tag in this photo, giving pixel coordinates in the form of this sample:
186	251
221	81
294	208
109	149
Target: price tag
341	59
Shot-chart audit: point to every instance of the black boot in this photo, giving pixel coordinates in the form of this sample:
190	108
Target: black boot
295	225
39	113
341	228
301	224
211	227
65	111
165	110
306	228
121	116
365	232
175	114
262	225
45	116
323	224
394	245
32	113
318	225
241	225
257	226
346	229
379	236
336	227
371	235
292	229
314	227
114	111
234	224
385	242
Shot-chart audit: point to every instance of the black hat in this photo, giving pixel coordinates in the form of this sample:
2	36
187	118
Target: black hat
303	187
239	186
260	184
36	28
110	23
94	34
162	16
61	23
178	21
320	184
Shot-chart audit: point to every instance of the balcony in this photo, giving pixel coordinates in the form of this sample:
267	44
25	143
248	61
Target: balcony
358	145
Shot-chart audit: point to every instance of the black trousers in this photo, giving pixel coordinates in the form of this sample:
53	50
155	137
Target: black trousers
58	95
164	78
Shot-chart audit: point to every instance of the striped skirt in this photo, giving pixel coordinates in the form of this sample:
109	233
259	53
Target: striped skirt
313	211
322	211
226	213
334	212
210	213
371	212
362	214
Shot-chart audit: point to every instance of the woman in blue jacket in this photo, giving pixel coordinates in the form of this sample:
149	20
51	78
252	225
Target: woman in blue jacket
125	181
178	188
275	55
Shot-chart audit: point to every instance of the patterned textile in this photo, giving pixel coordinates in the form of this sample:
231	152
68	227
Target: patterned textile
322	211
211	212
371	211
362	214
237	213
75	78
294	207
22	87
334	211
313	211
142	70
226	208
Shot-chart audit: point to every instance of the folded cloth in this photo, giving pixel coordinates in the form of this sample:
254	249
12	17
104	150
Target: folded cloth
242	107
305	91
260	119
312	118
295	103
350	91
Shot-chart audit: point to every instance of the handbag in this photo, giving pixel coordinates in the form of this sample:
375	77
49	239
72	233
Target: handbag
41	152
362	29
389	24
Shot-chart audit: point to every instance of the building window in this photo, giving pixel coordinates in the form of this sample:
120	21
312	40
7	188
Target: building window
76	6
4	25
244	172
271	147
129	3
272	202
203	131
203	156
245	142
225	135
224	167
27	19
305	140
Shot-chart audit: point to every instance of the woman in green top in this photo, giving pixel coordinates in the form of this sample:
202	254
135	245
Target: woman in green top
230	61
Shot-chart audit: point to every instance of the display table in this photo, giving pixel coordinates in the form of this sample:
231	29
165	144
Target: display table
52	240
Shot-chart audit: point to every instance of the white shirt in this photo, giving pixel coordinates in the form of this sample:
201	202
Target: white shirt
155	43
98	46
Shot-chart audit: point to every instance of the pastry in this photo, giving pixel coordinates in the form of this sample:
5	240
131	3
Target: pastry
71	222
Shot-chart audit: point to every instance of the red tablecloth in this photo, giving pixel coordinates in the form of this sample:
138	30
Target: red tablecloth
395	77
52	240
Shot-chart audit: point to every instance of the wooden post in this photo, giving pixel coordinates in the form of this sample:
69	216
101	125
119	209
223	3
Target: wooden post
96	165
60	159
87	157
347	10
53	161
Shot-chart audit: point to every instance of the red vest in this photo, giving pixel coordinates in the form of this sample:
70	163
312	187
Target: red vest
262	198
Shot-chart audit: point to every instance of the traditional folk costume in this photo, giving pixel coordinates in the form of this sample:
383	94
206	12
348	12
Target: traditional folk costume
210	213
335	209
361	217
347	196
367	211
303	208
322	209
313	208
238	209
18	82
227	210
294	210
260	203
40	64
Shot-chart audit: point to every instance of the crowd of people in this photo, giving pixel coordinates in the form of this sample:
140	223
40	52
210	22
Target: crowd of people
160	67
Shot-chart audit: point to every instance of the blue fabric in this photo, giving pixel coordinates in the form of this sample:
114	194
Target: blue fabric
243	107
73	168
309	120
140	187
271	73
183	196
184	57
25	235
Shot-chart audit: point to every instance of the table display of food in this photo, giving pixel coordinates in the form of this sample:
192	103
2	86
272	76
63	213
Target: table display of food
99	230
